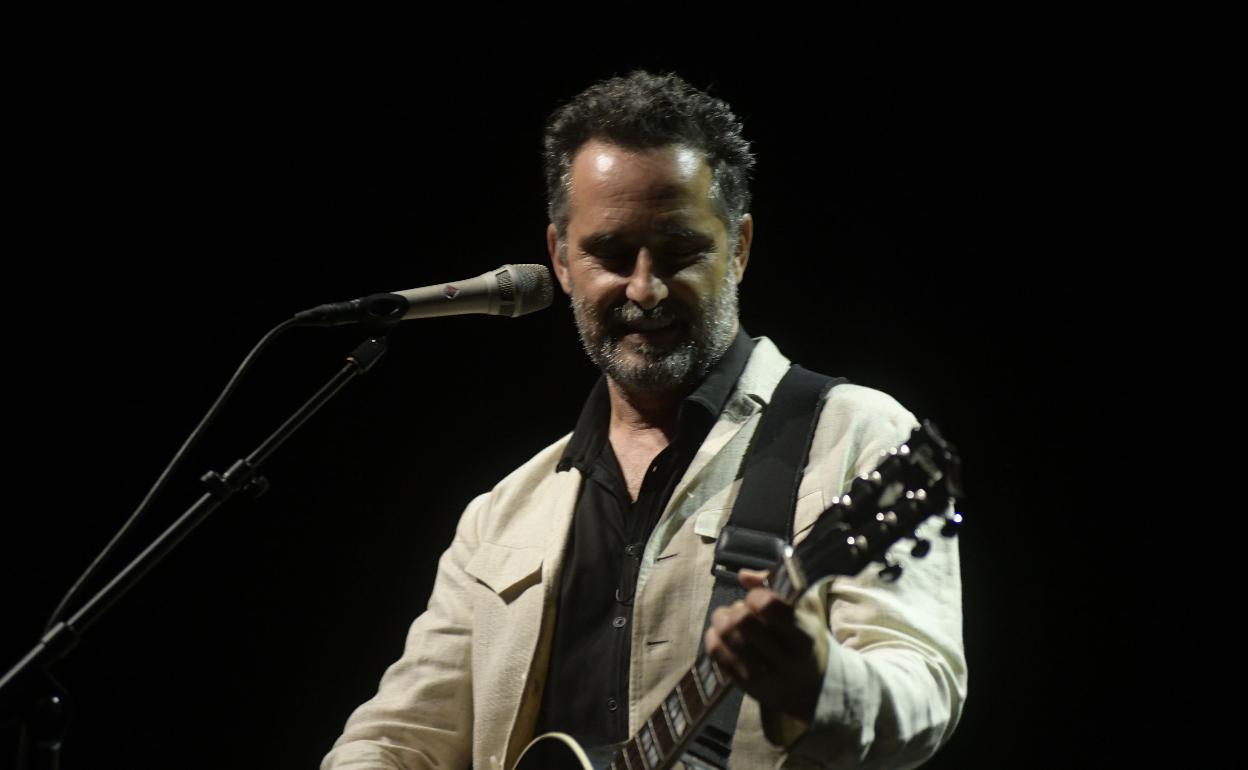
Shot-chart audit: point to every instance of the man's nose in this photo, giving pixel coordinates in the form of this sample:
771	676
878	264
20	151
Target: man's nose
645	286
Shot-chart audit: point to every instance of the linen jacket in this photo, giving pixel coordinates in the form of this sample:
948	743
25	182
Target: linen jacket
467	688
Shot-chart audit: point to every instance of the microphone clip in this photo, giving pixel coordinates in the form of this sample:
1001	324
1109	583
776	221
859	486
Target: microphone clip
376	311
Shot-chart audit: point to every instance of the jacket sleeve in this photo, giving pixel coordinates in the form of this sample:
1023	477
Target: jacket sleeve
421	716
895	675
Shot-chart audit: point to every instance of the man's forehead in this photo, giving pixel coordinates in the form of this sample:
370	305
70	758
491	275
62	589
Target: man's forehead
600	162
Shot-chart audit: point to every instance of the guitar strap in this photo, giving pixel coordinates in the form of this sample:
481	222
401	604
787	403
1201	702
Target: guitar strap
761	524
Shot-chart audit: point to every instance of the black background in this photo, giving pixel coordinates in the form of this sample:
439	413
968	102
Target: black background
931	201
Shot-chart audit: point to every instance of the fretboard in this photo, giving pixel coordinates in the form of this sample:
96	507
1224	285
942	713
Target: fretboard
664	736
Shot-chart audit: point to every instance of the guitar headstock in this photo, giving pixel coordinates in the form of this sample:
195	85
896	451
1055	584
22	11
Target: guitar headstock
913	482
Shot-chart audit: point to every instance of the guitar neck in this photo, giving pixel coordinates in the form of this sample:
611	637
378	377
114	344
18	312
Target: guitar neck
669	729
662	740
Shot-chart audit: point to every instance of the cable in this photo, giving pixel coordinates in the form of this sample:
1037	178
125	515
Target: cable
156	489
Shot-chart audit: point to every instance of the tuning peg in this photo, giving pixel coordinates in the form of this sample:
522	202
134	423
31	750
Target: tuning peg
952	524
891	571
887	520
921	548
861	488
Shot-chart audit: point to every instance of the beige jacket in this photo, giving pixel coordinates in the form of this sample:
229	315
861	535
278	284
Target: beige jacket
465	692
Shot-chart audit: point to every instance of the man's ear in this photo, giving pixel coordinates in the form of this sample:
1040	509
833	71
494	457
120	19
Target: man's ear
559	264
745	239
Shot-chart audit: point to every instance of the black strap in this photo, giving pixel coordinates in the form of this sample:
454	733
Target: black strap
761	522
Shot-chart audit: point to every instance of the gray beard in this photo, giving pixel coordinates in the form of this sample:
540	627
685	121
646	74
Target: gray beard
662	368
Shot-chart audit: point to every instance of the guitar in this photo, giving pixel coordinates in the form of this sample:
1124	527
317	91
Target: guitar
914	481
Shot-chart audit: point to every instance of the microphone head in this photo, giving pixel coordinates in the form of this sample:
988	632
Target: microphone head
528	287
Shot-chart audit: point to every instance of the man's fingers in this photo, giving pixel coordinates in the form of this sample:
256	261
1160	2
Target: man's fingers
758	642
755	645
752	578
769	607
724	655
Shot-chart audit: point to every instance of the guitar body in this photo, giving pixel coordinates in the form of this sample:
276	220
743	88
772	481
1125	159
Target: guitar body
556	751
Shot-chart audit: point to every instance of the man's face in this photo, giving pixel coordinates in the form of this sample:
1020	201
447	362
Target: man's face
648	268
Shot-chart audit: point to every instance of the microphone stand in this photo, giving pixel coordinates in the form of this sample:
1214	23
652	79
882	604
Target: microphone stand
43	711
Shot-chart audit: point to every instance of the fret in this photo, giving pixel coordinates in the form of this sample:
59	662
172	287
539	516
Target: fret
649	749
632	755
695	706
662	732
673	706
709	677
698	668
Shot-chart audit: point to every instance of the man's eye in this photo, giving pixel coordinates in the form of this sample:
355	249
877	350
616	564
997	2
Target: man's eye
684	254
610	257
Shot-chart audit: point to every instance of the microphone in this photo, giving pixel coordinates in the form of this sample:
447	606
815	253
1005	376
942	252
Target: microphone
511	290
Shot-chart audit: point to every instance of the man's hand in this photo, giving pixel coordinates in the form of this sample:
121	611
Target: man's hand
760	644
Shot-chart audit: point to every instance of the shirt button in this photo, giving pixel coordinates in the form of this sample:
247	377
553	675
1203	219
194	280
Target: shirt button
619	622
611	704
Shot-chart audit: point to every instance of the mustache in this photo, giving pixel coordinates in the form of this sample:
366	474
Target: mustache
631	312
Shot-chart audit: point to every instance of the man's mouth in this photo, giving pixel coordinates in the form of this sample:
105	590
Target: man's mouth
659	326
648	324
660	333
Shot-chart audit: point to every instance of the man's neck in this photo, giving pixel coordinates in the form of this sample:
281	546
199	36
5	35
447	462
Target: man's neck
641	426
638	413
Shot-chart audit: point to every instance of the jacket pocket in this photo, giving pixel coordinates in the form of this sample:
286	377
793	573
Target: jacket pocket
506	571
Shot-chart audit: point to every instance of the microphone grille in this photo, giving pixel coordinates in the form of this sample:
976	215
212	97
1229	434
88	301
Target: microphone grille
533	288
506	286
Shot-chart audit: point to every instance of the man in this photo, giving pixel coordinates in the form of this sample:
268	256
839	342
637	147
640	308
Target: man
574	593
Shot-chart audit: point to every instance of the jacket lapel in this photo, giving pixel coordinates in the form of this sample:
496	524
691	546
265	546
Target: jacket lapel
548	520
758	381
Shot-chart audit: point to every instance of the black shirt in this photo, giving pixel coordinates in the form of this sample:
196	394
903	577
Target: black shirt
586	692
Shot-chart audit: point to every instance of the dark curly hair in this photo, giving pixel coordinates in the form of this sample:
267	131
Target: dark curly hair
641	111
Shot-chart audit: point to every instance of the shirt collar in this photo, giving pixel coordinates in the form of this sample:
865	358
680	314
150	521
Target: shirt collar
707	401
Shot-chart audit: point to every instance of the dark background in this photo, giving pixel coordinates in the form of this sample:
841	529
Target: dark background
931	198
